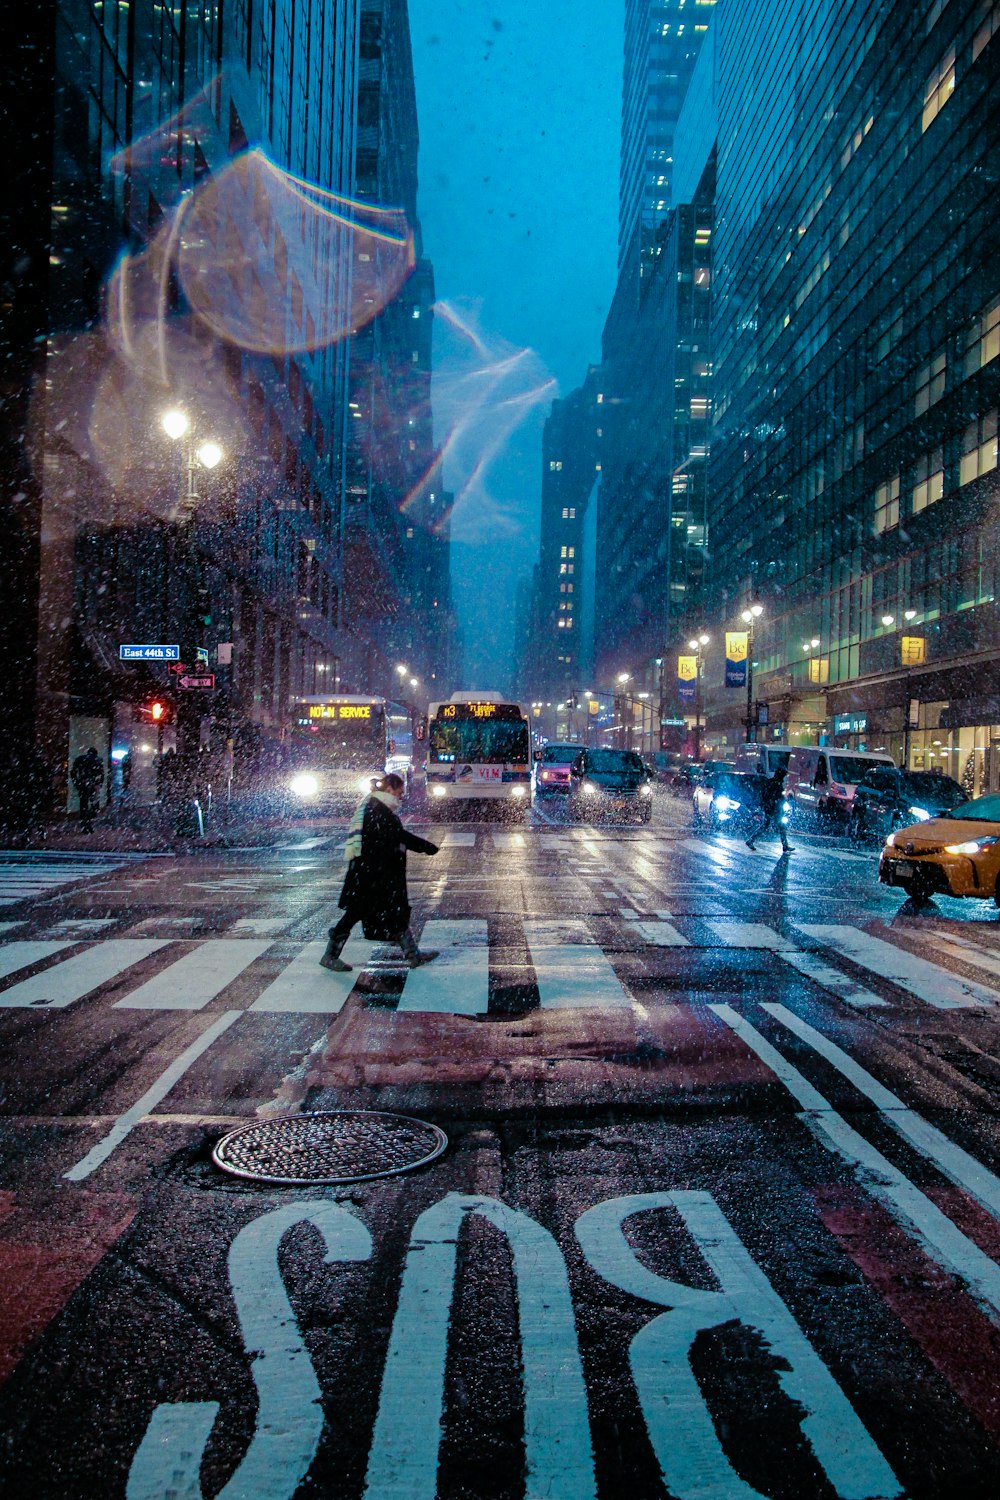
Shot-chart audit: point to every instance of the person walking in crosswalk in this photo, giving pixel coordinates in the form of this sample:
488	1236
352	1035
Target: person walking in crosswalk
769	816
374	890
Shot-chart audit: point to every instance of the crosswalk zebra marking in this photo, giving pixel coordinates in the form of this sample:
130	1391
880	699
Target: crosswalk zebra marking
507	841
917	976
966	952
963	1169
75	977
191	982
21	955
450	839
571	969
259	926
750	935
6	927
457	982
20	879
304	988
660	934
758	935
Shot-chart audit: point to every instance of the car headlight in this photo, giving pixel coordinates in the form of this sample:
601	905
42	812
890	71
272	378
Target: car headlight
437	791
517	791
890	842
589	789
727	804
920	813
304	785
972	846
645	790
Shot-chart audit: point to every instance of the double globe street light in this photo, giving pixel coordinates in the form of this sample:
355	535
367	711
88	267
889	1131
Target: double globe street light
750	616
697	644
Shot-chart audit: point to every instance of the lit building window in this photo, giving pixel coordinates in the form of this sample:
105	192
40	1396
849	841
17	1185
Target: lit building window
979	448
930	383
928	479
887	504
983	339
571	552
562	551
939	89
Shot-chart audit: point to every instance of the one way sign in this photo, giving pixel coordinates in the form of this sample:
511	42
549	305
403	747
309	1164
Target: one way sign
204	680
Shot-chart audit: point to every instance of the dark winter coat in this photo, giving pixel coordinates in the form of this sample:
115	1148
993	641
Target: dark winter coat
375	886
772	792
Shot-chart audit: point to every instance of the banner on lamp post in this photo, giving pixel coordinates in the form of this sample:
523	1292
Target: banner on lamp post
736	658
687	677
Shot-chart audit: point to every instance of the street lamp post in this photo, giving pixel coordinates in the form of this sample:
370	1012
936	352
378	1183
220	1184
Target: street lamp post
697	644
750	617
626	731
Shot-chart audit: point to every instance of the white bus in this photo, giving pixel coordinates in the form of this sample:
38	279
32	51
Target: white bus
337	742
478	751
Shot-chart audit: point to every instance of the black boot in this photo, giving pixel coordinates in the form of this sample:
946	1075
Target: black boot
331	959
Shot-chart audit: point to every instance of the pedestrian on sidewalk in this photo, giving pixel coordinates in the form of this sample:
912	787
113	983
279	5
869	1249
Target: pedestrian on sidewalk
769	815
87	776
374	891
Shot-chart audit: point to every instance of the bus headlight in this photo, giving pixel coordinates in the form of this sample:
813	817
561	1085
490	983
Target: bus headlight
645	790
437	791
589	789
517	791
304	786
365	783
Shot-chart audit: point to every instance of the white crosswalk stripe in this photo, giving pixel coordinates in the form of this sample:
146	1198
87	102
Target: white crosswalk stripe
196	979
457	982
75	977
304	988
572	970
33	875
917	976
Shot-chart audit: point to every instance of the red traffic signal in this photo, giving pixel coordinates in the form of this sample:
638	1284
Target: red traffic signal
156	710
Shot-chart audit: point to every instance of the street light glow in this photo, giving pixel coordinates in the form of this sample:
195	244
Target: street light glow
623	676
175	422
209	455
909	614
401	669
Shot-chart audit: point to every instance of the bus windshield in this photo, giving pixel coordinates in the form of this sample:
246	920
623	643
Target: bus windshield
480	741
353	743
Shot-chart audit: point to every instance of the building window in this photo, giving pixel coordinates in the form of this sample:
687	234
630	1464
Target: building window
930	383
571	552
983	339
979	447
940	87
891	336
887	504
988	25
562	551
928	479
569	513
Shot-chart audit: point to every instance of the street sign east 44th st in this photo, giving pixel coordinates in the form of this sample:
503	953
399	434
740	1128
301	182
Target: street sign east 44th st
149	653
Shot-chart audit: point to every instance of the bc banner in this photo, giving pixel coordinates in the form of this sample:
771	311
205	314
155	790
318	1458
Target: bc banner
736	658
687	676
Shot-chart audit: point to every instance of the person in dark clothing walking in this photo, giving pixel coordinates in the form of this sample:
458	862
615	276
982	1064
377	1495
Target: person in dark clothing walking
769	815
87	775
374	891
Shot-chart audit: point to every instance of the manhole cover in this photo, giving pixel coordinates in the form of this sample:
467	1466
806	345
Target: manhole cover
344	1145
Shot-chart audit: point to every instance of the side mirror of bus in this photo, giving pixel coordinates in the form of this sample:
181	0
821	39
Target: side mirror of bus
577	766
537	755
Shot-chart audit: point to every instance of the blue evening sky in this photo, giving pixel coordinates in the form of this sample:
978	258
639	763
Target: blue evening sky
519	105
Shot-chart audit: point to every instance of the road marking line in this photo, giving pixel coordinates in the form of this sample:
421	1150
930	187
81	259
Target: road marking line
750	935
572	970
461	840
14	956
966	952
829	978
304	988
192	981
457	982
314	843
964	1170
154	1095
942	1240
76	977
926	981
260	926
660	934
9	926
508	840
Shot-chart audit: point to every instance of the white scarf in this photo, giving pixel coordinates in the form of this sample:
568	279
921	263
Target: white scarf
352	849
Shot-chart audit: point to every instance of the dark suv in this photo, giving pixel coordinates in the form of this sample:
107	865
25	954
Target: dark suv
888	799
609	783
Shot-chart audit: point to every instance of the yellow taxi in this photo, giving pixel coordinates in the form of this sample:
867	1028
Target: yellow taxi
956	854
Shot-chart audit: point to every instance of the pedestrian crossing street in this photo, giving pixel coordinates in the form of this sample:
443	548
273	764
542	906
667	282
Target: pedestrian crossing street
27	876
571	962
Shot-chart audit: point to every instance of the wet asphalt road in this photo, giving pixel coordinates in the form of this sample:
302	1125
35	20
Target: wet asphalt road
717	1216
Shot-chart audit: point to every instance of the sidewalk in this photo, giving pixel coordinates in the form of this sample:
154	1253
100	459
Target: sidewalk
153	830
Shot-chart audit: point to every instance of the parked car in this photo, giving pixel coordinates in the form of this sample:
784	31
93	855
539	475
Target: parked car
821	781
607	783
888	799
552	768
956	854
727	801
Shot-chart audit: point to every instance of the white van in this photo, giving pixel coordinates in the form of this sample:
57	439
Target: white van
765	759
821	782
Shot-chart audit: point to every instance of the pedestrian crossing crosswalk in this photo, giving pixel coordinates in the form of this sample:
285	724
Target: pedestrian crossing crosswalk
571	963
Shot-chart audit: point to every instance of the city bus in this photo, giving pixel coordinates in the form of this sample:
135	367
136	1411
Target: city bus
478	751
337	742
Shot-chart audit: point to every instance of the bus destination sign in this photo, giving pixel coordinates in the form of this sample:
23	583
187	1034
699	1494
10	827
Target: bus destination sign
509	711
340	710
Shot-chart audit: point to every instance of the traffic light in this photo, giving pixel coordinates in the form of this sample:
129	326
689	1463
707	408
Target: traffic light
154	710
203	605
